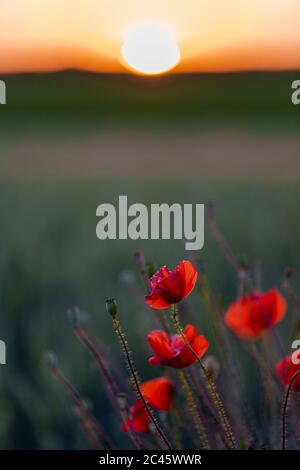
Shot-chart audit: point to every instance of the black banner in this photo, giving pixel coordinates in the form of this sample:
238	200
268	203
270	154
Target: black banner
139	459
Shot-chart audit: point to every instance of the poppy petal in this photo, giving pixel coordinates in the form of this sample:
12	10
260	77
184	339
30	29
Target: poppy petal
158	392
160	343
170	287
256	313
157	301
189	274
138	420
200	345
190	332
286	369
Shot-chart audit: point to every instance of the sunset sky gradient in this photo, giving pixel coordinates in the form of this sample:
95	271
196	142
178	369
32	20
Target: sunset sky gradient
213	35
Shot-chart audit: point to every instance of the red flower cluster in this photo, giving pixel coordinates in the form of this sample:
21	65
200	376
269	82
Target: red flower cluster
170	287
256	313
286	369
158	393
173	351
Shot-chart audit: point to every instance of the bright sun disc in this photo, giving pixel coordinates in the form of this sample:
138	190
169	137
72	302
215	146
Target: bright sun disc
150	49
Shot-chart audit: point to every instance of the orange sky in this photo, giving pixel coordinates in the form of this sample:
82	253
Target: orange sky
213	35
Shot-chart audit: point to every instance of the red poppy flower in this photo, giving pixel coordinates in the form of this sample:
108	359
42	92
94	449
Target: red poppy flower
170	287
285	370
158	393
256	313
174	352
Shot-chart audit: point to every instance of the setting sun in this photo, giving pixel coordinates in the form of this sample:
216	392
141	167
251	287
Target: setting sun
195	36
150	49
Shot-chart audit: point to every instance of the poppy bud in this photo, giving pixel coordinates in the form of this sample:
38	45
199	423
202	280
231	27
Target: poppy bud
288	273
151	427
111	307
127	277
121	397
73	315
243	262
50	359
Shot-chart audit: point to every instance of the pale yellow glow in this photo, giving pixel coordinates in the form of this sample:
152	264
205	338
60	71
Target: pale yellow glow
150	49
212	35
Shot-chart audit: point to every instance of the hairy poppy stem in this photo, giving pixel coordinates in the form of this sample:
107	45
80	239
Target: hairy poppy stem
94	433
176	432
228	355
136	382
284	410
193	410
211	385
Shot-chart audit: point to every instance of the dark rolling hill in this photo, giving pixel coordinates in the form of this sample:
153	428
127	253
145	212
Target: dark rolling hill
173	102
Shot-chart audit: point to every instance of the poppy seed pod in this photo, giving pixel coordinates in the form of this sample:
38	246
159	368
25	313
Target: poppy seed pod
111	307
73	315
50	359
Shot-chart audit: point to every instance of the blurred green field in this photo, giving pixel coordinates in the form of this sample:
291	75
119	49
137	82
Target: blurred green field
185	103
50	259
69	143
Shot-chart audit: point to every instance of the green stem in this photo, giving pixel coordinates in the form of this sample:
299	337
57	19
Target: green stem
136	382
193	410
211	385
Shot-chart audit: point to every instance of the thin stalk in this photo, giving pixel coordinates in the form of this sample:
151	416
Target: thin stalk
94	433
217	235
298	418
124	411
176	432
136	382
242	273
289	290
211	385
86	341
214	314
284	410
193	409
110	383
205	402
225	248
202	398
162	321
229	357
